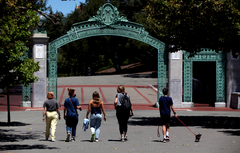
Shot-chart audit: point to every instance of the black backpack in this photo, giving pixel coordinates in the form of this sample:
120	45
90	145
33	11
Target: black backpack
125	102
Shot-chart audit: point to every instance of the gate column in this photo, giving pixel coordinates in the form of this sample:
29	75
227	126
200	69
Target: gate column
175	78
40	55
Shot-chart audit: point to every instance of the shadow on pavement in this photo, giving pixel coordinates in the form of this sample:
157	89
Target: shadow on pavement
234	133
116	140
24	147
215	122
10	136
85	140
13	124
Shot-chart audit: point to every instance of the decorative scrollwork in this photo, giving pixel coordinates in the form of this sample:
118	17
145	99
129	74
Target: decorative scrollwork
187	81
26	90
162	70
220	81
108	15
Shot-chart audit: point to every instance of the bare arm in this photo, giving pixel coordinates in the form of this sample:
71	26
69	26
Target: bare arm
59	115
79	107
102	107
44	113
89	108
174	112
64	112
115	102
159	108
132	112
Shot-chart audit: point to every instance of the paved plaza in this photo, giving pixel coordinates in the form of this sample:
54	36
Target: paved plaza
142	94
139	89
220	133
219	127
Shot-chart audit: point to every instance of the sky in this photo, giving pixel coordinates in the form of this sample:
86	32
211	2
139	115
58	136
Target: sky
65	6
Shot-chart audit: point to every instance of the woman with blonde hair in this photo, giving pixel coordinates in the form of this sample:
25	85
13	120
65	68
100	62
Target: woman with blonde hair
122	113
96	107
51	110
71	105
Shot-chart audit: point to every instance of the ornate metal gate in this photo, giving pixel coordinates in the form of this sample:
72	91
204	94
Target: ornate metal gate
205	55
106	22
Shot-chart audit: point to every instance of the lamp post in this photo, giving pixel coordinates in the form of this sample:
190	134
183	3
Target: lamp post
41	23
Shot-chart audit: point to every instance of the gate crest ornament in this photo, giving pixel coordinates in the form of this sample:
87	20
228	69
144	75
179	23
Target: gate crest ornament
108	15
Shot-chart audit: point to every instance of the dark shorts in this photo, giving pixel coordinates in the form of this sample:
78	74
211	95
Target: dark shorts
165	119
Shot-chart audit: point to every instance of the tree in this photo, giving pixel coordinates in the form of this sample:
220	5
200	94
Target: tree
14	34
195	24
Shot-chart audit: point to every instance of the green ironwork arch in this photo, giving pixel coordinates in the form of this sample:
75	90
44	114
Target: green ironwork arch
106	22
206	55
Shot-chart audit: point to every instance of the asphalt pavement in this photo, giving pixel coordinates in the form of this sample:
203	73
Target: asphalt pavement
219	127
220	133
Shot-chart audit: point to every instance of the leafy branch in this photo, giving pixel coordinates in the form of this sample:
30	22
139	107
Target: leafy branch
48	16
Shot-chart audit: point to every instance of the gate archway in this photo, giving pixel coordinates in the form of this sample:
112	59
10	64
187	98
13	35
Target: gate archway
106	22
206	55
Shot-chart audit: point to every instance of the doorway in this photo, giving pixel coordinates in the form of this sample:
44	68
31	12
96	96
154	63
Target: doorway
204	83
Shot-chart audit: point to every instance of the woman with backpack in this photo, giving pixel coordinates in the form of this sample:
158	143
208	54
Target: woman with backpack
70	113
123	108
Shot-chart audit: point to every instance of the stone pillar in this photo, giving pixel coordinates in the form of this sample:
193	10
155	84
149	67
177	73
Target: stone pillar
232	77
175	78
40	55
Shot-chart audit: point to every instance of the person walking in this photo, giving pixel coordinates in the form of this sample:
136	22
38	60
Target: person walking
165	107
52	113
123	111
96	107
71	105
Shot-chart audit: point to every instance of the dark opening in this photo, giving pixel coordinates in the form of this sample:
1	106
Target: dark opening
204	83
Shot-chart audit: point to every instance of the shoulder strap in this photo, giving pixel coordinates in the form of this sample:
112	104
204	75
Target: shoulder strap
71	101
73	105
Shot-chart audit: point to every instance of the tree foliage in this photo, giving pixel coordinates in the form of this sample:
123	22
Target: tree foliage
194	24
14	34
15	31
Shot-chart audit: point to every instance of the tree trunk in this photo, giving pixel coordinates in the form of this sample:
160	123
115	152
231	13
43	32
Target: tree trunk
8	105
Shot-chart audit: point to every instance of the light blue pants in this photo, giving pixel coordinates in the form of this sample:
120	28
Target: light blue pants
95	123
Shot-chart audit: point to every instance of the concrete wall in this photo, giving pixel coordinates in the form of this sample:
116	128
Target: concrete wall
232	77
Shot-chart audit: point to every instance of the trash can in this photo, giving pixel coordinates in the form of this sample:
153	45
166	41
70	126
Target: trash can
235	100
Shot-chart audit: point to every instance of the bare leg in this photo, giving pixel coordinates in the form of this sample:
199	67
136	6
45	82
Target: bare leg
164	129
167	127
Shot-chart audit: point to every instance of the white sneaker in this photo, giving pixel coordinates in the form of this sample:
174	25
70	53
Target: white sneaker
73	139
68	137
53	140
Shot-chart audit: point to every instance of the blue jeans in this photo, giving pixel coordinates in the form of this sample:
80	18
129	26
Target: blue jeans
73	129
95	122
